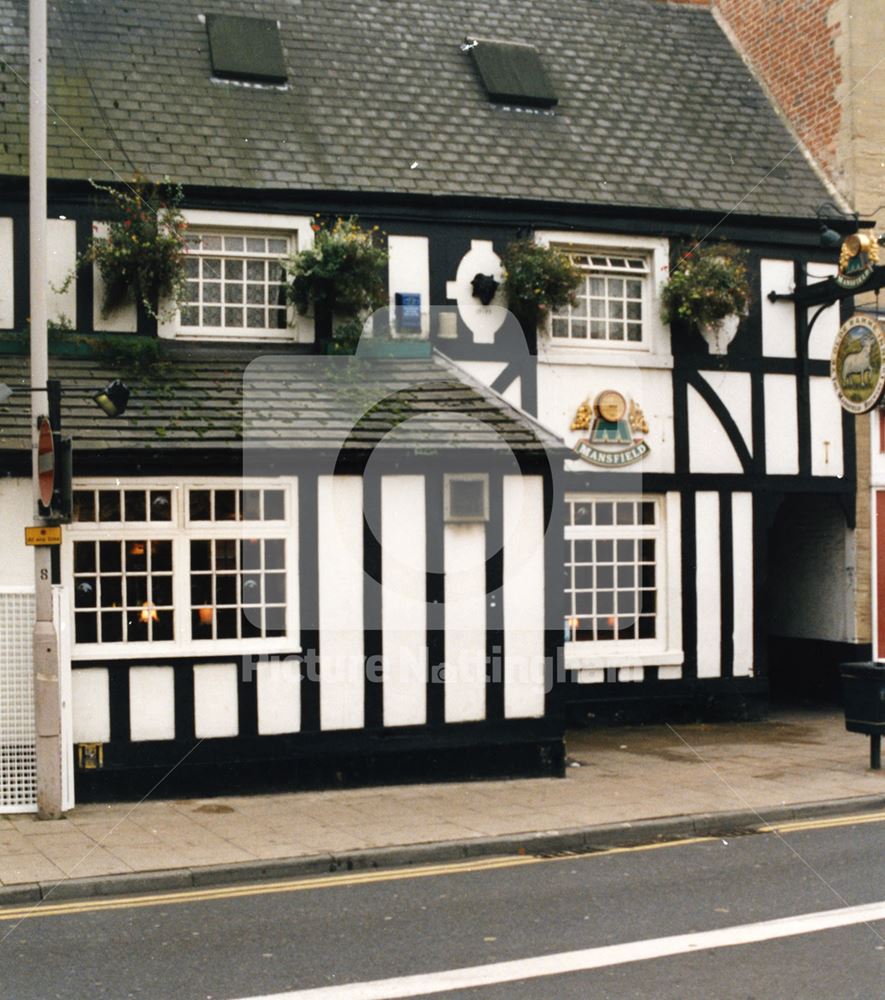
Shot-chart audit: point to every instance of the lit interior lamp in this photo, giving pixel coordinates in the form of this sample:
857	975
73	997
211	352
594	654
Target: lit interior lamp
149	612
205	616
113	398
136	549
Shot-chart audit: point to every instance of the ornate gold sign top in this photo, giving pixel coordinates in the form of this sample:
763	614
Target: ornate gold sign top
857	258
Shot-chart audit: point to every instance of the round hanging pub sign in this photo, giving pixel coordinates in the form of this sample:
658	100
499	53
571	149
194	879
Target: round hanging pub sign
856	366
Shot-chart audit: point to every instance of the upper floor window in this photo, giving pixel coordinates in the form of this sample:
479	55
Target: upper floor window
616	318
611	303
235	283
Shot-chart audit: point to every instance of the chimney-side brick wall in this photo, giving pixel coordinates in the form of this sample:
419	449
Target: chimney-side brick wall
795	46
821	61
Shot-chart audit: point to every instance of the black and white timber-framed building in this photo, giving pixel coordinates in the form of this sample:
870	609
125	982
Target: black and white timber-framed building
658	585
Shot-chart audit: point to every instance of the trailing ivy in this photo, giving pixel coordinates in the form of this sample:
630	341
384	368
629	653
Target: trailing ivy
141	259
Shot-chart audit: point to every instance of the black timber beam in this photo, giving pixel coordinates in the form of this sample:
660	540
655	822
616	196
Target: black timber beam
829	291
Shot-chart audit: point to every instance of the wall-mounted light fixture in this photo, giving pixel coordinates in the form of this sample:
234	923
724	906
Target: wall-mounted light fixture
829	237
113	398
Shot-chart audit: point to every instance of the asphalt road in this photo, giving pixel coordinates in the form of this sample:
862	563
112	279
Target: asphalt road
254	941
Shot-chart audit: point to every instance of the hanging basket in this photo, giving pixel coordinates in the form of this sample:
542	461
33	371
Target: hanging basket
719	333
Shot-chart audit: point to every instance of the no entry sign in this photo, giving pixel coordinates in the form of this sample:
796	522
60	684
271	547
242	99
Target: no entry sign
45	462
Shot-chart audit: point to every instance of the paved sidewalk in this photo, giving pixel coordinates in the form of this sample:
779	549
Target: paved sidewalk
633	780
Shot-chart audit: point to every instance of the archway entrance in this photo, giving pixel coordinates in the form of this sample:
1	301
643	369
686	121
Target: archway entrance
810	599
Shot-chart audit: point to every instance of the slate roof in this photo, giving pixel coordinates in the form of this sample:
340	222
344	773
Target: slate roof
656	109
290	401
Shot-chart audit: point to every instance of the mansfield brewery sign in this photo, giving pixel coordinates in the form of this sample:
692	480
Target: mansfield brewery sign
858	257
615	429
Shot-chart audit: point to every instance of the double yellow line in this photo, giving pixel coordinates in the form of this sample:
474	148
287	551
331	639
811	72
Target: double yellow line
342	880
823	824
338	880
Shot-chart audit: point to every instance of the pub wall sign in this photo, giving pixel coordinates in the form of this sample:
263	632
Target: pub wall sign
616	430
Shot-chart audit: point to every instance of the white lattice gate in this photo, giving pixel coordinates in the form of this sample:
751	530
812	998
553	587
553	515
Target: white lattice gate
18	764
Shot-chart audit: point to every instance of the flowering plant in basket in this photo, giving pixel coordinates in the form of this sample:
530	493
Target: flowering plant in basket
537	279
141	258
343	272
709	283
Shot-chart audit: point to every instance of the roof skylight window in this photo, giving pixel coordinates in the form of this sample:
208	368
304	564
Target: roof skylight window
512	73
245	48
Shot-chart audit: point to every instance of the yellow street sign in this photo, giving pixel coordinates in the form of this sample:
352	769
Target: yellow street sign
48	535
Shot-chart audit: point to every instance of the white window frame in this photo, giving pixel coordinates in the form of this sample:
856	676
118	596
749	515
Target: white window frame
181	532
653	351
665	649
296	227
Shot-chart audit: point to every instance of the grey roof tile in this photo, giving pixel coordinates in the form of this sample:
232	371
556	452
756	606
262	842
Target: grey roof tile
291	401
653	102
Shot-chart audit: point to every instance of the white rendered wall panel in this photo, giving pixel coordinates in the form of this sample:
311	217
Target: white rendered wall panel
465	600
563	387
409	271
708	584
709	447
340	546
215	700
482	321
778	318
91	705
16	513
742	571
523	505
279	695
877	446
404	600
826	326
826	428
781	425
673	583
151	703
122	320
61	260
669	673
7	281
735	389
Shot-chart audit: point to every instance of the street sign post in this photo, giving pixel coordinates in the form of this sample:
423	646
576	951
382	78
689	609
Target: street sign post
49	535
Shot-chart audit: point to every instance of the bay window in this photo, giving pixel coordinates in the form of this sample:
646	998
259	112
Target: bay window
180	567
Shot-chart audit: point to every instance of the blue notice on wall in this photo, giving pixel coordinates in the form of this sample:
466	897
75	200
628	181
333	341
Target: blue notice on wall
408	312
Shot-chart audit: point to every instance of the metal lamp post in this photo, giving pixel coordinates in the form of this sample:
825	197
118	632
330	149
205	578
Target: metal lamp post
47	700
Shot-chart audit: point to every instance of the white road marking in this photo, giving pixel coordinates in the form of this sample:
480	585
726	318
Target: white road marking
588	958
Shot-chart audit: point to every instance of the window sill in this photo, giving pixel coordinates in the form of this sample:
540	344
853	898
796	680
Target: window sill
602	356
161	650
259	336
585	656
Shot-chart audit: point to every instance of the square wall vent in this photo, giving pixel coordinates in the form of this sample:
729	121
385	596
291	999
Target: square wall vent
466	499
512	73
245	48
